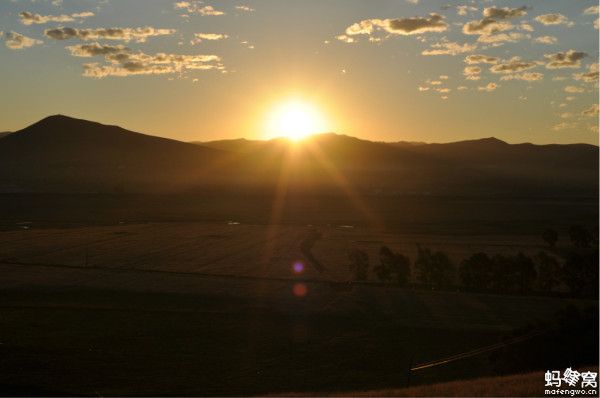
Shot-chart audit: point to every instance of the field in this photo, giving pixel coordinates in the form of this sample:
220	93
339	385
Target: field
93	303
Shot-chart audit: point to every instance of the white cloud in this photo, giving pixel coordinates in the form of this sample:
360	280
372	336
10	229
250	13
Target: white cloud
199	37
449	48
401	26
16	41
546	40
574	89
28	18
553	19
124	34
488	88
568	59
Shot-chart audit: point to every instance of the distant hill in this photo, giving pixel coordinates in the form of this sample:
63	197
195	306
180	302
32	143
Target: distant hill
62	154
4	134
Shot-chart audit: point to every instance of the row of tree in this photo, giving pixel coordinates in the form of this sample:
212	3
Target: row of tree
574	268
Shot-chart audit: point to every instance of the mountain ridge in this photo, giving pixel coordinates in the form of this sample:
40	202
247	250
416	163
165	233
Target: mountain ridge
63	154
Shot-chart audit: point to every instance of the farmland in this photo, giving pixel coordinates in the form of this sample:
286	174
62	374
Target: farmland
159	306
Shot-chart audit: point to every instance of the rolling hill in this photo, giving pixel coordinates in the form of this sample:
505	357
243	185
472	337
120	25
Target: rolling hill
62	154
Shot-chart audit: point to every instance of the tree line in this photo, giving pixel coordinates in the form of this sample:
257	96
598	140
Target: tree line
573	267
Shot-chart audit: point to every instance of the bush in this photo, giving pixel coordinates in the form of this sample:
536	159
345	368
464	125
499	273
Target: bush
392	266
434	268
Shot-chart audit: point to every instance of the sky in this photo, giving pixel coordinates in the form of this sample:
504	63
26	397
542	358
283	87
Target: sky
384	70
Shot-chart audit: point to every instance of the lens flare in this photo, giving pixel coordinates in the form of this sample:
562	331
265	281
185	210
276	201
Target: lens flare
300	290
298	267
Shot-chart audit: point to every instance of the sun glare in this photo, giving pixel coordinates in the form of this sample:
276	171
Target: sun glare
295	120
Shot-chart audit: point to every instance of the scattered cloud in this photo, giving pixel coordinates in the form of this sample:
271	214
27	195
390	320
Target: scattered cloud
124	34
28	18
504	13
553	19
449	48
480	59
574	89
95	49
592	111
593	10
126	63
16	41
465	9
527	76
244	8
591	76
401	26
488	88
546	40
569	59
472	72
199	37
197	7
513	65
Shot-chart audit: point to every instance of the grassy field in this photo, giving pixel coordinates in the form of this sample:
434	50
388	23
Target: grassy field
233	249
126	300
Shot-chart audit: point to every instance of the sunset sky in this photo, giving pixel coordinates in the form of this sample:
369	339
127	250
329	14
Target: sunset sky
434	71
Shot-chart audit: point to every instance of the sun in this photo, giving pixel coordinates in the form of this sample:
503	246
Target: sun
295	119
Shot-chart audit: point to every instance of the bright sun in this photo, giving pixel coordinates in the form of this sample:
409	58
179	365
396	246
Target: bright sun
295	120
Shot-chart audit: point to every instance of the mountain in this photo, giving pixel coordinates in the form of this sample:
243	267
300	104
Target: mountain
62	154
4	134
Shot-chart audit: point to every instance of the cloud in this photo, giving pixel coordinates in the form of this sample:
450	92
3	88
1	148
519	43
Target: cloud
199	37
563	126
480	59
597	23
449	48
126	63
569	59
28	18
553	19
574	89
16	41
464	10
345	38
244	8
488	88
472	72
95	49
513	65
546	40
511	37
504	13
486	26
591	111
593	10
124	34
527	76
197	7
401	26
591	76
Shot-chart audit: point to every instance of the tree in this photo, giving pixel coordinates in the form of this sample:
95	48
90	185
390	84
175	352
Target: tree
580	236
513	273
359	264
435	268
549	272
392	265
477	272
580	272
550	236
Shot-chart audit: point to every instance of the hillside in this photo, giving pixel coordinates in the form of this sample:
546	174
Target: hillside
62	154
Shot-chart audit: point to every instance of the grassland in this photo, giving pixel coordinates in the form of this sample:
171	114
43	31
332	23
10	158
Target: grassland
94	303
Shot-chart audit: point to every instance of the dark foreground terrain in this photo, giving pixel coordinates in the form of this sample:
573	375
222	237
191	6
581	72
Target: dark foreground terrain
192	295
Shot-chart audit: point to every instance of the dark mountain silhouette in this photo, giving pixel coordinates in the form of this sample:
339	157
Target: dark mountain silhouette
62	154
4	134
